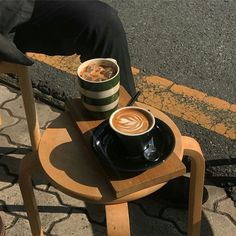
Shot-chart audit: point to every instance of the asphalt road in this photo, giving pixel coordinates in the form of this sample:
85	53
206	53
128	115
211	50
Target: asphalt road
191	42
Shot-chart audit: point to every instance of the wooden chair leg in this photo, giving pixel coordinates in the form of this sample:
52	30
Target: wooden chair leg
28	99
29	105
197	172
117	218
27	165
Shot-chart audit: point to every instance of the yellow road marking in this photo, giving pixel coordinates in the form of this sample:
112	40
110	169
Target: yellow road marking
181	101
189	104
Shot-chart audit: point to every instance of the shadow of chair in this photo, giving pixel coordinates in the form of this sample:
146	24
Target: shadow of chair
90	184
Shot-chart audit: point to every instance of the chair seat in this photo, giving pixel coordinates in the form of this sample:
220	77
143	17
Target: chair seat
72	166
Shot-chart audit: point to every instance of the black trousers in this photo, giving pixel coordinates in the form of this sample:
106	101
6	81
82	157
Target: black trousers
89	28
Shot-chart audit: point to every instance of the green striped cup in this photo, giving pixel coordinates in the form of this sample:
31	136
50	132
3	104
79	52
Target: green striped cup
100	98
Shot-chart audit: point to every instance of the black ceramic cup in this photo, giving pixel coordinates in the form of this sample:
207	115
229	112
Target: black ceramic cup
133	127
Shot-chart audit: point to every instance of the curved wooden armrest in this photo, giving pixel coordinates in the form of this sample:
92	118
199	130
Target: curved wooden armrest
193	151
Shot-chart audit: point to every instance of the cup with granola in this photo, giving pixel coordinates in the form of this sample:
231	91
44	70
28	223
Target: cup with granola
99	84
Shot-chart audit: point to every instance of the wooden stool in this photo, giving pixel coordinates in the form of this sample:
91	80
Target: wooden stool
69	162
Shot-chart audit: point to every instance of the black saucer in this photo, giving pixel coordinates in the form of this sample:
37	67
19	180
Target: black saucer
111	153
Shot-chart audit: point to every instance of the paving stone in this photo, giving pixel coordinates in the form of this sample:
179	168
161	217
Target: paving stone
179	216
12	161
21	228
66	199
39	178
219	225
18	133
227	206
13	200
6	119
211	221
42	187
77	224
5	179
50	209
5	146
7	219
215	193
149	226
6	94
45	112
16	107
152	204
96	212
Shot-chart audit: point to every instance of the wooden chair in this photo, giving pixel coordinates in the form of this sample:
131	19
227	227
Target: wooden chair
81	177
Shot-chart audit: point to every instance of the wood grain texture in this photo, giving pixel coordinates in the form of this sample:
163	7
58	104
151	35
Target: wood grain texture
73	167
169	169
193	151
117	219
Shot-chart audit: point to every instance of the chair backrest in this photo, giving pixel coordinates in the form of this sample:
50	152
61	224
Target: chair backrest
27	94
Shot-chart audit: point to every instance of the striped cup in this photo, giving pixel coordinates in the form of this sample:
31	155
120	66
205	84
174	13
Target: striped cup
100	98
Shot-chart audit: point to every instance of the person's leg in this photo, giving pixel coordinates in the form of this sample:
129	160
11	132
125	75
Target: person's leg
89	28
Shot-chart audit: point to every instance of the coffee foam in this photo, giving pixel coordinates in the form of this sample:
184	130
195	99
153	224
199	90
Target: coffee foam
131	121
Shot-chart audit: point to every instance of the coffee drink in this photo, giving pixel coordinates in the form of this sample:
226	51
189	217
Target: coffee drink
97	73
133	127
131	121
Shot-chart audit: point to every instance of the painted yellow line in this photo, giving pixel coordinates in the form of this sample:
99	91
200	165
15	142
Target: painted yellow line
186	103
189	104
68	64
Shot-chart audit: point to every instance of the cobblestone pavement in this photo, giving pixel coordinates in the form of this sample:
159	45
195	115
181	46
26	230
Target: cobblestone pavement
63	215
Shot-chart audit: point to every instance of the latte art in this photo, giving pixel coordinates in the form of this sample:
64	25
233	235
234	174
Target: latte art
133	127
131	121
